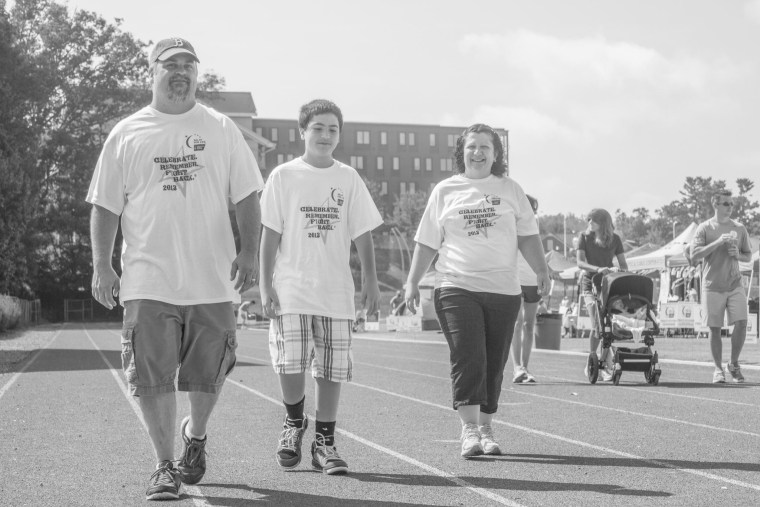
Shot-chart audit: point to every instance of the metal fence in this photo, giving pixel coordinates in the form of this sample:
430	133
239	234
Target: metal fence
80	308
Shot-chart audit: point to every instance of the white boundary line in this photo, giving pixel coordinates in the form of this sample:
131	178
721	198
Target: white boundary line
16	375
192	490
436	471
578	442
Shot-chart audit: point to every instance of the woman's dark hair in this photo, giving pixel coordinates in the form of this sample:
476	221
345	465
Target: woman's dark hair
533	202
319	106
499	167
602	217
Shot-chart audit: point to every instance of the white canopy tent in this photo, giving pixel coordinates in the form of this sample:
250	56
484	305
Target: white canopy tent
669	255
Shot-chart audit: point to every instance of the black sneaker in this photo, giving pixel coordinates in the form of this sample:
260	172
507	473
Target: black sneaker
192	463
325	459
289	448
164	483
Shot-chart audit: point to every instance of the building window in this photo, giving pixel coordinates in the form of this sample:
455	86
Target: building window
411	187
280	158
432	140
274	134
383	138
402	138
357	161
292	135
395	164
362	137
451	139
384	188
260	131
411	138
428	164
449	165
443	164
380	163
402	190
416	163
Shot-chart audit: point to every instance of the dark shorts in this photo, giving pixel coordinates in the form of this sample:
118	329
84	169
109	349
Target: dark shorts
478	327
160	338
530	293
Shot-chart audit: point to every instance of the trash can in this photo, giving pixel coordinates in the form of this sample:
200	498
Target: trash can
548	332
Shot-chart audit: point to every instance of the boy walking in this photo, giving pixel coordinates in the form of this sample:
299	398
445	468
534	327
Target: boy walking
722	243
313	207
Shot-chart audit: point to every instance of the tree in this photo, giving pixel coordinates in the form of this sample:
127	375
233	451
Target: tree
407	211
88	74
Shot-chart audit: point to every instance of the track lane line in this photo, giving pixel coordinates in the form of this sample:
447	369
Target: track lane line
31	360
569	440
428	468
194	491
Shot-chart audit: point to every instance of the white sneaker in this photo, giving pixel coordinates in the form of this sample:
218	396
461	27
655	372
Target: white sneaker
529	378
736	372
521	374
605	374
471	445
488	442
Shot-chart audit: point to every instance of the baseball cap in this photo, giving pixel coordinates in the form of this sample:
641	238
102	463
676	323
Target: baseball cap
167	48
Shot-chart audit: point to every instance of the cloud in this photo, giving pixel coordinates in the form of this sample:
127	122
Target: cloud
752	9
591	85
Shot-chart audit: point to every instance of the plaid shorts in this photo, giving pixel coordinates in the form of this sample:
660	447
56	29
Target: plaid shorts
295	341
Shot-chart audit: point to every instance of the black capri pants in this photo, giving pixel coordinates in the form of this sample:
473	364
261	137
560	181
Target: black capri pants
478	327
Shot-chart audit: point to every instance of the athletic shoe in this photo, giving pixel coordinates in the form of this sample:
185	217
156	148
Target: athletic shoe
605	374
718	376
289	449
164	483
488	442
325	458
192	463
529	378
736	372
471	445
520	375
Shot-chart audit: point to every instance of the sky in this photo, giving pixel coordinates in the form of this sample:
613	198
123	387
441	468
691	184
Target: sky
608	103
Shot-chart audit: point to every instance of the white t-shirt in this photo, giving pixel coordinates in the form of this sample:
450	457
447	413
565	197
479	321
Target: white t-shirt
171	178
474	224
318	212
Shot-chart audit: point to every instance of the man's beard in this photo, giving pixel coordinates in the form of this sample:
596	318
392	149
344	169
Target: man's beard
176	94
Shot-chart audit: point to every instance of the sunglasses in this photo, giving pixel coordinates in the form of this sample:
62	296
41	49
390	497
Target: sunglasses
726	204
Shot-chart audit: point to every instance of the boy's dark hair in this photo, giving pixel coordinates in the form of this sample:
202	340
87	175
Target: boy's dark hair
319	106
499	167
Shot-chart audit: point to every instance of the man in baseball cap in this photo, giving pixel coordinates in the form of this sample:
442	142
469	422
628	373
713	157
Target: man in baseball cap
166	48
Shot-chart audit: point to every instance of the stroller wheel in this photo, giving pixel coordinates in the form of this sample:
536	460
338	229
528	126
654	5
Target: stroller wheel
592	367
616	377
652	375
656	377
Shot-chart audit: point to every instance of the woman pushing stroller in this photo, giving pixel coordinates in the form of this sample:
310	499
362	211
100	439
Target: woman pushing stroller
598	245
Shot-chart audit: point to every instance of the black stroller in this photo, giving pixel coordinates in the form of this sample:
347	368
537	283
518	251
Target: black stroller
621	298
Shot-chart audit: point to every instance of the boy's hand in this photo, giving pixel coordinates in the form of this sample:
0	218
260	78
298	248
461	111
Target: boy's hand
246	266
270	302
370	297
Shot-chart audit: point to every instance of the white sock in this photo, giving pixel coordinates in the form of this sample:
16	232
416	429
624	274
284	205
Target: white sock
190	435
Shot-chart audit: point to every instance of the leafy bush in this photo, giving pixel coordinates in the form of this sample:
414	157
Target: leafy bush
10	312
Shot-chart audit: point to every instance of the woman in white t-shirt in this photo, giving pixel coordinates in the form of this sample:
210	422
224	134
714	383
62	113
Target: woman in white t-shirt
475	221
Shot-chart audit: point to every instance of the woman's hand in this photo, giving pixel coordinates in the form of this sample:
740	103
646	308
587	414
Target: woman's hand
412	297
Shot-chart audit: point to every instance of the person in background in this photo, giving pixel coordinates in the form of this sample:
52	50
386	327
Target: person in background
477	221
167	174
721	243
396	301
598	245
522	342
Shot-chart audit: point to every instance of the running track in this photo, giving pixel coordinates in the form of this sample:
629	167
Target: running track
70	435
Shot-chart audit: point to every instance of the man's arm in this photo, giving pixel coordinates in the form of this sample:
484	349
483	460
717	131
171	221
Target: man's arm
245	265
105	281
370	295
